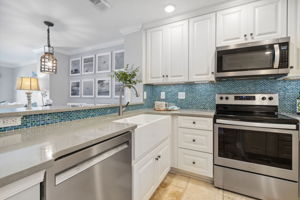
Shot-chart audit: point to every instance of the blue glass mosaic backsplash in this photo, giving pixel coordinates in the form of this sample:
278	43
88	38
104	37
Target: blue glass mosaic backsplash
198	96
202	96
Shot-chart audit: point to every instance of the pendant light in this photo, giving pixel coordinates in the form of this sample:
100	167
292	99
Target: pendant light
48	60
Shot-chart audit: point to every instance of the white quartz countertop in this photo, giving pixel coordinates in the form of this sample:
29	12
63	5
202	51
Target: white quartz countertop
26	151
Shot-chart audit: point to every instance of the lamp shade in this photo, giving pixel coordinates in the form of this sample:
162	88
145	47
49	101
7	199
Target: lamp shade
28	83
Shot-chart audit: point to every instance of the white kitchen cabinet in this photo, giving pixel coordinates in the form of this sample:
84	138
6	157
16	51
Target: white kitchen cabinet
27	188
164	162
261	20
144	178
199	140
150	171
232	26
267	19
177	52
167	53
195	145
202	48
293	33
155	67
196	162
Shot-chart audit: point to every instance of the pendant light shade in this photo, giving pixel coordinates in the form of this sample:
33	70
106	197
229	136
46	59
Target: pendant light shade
48	62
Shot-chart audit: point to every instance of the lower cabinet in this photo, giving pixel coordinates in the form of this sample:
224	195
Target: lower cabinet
27	188
150	171
195	145
196	162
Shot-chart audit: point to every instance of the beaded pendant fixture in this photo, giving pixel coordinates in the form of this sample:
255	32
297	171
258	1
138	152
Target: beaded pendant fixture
48	61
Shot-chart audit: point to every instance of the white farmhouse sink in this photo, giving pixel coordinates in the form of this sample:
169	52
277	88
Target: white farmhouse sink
151	131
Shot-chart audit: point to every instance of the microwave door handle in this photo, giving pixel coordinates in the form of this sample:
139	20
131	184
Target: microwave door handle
277	56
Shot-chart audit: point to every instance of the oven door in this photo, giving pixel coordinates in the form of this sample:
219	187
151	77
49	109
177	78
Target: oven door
267	151
244	60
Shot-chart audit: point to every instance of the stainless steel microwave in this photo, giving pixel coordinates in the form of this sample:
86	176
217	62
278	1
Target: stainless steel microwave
256	59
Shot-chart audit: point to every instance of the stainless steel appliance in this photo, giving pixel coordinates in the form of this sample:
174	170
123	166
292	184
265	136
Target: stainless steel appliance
256	59
100	172
256	150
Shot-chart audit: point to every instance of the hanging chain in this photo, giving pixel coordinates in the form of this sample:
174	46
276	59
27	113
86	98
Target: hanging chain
48	36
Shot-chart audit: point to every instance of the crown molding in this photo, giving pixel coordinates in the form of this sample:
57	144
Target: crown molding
17	65
131	29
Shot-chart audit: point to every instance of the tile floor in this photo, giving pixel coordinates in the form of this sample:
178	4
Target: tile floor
177	187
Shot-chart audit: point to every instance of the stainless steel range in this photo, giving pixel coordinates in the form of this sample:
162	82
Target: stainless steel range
256	150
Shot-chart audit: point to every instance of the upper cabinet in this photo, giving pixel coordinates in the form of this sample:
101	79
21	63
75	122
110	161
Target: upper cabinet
177	52
232	26
155	55
257	21
167	53
182	51
202	48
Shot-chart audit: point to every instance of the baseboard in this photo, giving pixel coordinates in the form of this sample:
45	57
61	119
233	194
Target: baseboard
191	175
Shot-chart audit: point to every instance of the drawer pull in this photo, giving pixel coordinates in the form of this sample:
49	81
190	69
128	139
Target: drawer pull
194	140
194	162
194	122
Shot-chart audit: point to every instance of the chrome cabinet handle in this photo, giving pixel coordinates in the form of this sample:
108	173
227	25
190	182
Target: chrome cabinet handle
252	35
245	36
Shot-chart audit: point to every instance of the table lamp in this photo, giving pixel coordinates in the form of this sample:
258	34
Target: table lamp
30	84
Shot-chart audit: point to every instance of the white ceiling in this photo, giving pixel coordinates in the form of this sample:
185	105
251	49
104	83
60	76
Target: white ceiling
78	23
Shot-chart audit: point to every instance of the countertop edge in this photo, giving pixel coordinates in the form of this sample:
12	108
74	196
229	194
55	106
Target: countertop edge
58	109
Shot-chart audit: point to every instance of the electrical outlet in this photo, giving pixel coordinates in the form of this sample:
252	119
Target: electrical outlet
10	121
145	95
181	95
162	95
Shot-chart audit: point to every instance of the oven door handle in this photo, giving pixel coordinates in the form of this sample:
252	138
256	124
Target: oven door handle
257	124
277	56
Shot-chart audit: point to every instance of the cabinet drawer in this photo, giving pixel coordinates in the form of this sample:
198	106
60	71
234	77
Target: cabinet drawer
196	123
196	162
200	140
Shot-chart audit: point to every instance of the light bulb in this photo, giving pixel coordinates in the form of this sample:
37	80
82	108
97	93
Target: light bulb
169	8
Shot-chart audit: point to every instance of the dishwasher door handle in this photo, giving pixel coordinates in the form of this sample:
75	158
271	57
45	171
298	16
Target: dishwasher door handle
63	176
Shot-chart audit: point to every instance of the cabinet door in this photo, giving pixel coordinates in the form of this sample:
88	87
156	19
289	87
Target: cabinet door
164	162
202	48
268	19
155	55
232	26
177	51
145	179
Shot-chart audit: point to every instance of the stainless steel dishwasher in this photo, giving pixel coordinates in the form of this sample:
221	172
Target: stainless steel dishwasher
99	172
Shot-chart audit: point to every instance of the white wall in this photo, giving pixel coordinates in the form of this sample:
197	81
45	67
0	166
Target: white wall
134	56
59	83
7	89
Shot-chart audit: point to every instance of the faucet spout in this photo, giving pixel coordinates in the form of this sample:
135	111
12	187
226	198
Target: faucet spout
121	107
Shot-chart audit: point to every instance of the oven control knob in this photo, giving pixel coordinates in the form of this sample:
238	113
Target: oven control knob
226	98
221	98
263	98
271	98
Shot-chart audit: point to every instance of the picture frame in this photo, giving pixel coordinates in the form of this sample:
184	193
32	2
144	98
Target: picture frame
75	67
116	89
103	62
118	60
75	88
103	87
88	64
87	88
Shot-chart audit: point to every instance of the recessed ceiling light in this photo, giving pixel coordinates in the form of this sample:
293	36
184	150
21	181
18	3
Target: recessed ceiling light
169	8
